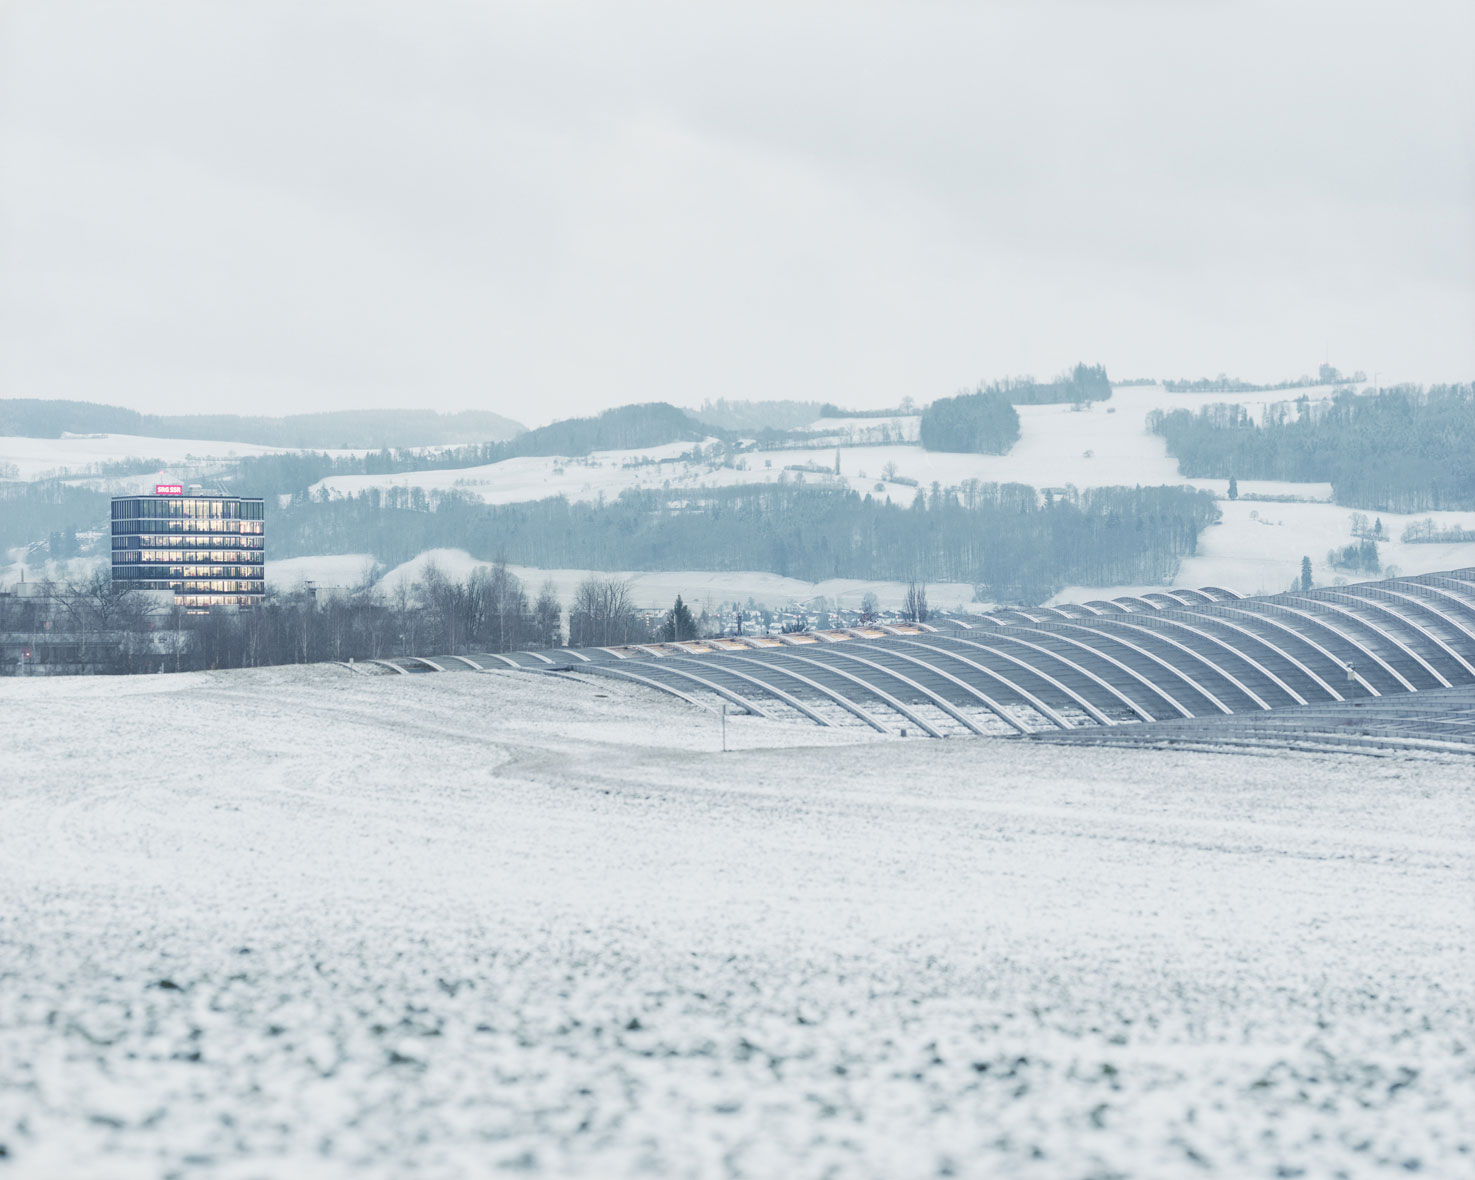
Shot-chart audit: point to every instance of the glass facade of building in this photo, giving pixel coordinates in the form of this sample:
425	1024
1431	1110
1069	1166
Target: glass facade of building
210	550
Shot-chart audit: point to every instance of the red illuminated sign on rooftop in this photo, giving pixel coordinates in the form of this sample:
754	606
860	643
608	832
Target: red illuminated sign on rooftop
168	489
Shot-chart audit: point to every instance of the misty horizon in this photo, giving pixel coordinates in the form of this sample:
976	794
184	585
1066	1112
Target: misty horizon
546	211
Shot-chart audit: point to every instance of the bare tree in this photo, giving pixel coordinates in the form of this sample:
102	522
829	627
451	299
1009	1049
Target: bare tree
498	607
548	617
449	606
914	606
603	614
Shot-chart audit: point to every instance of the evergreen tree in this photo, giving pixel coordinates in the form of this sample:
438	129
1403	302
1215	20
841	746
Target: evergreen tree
679	623
1305	573
1233	488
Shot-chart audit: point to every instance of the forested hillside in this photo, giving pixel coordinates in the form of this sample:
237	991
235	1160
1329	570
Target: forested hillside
977	423
1400	450
30	512
1004	538
357	429
626	428
650	424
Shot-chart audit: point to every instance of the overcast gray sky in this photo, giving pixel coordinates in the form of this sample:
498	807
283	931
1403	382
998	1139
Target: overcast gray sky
546	209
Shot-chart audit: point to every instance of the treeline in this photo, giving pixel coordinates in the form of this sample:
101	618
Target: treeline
1003	538
30	512
831	410
357	429
626	428
98	627
1403	449
976	423
1327	375
746	417
1084	383
1426	532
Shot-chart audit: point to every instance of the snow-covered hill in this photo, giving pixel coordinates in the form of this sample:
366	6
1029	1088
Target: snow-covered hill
33	458
1106	443
1257	548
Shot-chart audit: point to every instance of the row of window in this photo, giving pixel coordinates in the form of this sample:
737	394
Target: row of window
200	600
166	507
153	526
217	585
171	541
148	556
125	573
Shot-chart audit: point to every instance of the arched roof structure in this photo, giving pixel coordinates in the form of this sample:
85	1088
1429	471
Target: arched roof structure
1163	656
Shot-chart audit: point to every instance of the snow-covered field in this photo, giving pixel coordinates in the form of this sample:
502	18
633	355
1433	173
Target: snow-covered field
506	922
1257	549
512	481
331	569
36	457
1105	444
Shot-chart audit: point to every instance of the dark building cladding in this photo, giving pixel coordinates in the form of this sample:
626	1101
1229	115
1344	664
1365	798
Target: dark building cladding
208	549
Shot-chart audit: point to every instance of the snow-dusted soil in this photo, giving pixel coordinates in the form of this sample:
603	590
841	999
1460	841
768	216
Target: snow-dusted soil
308	923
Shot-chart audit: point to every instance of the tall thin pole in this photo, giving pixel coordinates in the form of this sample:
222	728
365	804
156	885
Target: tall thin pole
724	727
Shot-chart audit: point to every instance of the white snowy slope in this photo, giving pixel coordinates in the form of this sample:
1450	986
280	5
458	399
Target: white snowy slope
37	457
588	477
333	569
1106	443
302	922
1257	549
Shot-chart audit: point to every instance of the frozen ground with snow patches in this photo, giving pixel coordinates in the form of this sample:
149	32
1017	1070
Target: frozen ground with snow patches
302	922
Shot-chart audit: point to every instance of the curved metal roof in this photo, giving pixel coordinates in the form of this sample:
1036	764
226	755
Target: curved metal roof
1181	655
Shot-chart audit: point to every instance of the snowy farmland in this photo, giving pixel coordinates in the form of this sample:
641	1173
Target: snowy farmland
1256	549
508	921
1105	444
33	458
